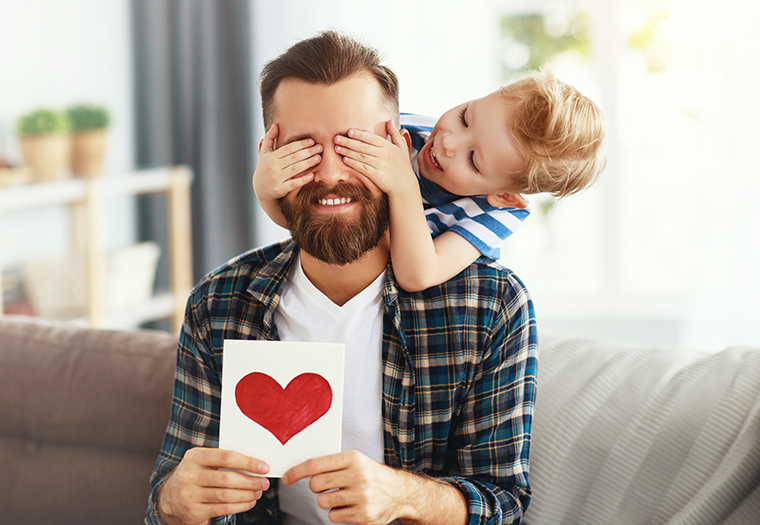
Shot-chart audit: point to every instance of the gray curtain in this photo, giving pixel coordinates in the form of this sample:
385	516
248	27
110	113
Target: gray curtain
193	106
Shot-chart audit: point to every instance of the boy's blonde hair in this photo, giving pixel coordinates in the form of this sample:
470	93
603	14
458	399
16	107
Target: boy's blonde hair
559	132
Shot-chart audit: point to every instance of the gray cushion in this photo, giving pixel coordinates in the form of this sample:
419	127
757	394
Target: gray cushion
631	434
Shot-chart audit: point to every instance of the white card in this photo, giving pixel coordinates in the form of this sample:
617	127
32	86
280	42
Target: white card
282	402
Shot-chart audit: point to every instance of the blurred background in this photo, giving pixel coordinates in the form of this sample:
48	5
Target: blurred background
665	249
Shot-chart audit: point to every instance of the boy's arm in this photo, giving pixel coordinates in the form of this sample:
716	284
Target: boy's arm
280	171
419	261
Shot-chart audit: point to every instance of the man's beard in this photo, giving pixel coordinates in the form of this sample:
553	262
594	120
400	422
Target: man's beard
331	237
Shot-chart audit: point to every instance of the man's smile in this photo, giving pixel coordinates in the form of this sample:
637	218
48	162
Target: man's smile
335	202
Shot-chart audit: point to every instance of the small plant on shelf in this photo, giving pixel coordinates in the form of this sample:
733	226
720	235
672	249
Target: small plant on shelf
87	117
89	124
44	142
43	121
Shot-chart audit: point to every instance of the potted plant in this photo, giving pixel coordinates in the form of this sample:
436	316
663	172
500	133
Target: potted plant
44	142
89	124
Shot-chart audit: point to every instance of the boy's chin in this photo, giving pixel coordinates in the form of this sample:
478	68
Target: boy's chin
441	188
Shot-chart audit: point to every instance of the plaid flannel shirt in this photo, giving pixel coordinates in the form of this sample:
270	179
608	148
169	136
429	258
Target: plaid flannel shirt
459	373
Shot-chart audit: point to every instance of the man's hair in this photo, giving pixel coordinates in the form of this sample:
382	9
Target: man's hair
559	132
327	59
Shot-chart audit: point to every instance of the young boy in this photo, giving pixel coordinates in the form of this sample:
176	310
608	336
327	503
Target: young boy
467	176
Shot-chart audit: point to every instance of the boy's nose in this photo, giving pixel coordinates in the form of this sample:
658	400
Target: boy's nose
331	169
449	144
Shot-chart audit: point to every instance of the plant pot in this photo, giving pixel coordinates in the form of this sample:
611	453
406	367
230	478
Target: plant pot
87	152
46	156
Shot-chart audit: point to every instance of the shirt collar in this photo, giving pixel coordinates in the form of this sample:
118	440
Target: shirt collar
266	286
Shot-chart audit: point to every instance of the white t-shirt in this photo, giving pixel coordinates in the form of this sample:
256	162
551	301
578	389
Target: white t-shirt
306	314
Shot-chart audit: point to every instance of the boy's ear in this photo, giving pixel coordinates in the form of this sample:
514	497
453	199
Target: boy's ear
507	200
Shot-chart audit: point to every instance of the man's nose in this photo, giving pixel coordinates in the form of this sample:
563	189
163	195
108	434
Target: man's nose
331	170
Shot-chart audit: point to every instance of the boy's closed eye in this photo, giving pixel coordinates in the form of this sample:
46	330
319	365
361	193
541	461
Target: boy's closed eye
471	156
463	115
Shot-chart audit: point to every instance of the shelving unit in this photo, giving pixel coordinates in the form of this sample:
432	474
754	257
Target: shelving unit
87	200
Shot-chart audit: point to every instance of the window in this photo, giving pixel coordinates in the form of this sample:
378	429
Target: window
671	234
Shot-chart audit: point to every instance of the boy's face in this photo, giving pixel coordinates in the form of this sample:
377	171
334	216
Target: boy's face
471	150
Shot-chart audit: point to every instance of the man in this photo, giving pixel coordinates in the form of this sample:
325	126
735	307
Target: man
439	384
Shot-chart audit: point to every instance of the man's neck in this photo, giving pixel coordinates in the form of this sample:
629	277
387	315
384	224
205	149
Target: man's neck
342	283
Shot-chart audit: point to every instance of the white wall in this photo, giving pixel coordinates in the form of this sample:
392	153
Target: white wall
57	53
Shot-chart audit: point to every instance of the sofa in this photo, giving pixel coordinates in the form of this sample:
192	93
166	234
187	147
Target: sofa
82	416
623	434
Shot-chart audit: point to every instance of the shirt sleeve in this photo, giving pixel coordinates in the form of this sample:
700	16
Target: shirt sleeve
482	225
493	436
194	418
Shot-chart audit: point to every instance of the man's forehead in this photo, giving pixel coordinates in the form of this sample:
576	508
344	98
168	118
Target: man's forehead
304	110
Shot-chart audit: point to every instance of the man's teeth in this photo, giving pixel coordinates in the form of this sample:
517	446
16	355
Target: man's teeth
435	160
334	202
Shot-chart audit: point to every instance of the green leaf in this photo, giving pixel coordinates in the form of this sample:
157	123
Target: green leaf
43	121
85	117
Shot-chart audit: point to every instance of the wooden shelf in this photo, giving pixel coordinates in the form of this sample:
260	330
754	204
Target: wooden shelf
87	198
72	191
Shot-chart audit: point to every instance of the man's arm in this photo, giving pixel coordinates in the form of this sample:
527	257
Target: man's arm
358	489
490	444
188	485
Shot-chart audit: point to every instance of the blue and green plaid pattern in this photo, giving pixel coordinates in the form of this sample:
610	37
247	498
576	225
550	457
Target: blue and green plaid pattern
458	381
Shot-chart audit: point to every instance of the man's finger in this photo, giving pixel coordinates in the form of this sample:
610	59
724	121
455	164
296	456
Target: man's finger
232	480
226	509
218	495
314	466
329	481
336	498
217	458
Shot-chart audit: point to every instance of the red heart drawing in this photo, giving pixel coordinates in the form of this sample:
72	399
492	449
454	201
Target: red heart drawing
283	412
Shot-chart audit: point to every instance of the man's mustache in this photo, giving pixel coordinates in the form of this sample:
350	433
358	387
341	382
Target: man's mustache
314	191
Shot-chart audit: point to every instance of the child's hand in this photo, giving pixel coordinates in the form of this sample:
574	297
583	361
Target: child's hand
385	163
280	171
